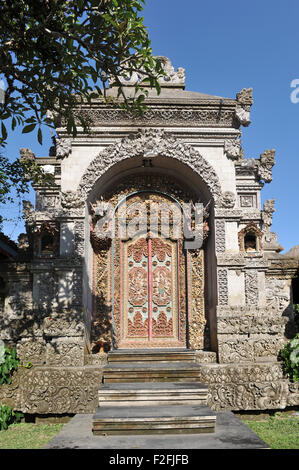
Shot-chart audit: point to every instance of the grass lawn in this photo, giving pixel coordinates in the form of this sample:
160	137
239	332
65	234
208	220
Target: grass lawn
278	431
28	435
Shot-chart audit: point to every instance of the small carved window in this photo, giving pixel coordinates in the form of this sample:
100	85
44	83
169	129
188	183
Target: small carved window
46	241
47	244
250	239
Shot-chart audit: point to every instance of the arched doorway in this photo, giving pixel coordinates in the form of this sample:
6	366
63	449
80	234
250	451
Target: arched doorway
148	289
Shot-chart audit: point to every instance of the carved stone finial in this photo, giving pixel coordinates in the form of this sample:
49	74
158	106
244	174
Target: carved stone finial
23	242
26	154
172	78
233	149
267	214
29	213
63	147
244	97
244	103
266	164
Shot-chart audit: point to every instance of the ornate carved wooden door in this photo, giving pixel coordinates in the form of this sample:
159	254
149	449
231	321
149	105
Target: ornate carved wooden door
150	293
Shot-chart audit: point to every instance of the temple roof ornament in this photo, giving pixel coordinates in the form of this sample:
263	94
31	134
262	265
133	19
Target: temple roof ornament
26	154
172	78
244	103
63	147
266	163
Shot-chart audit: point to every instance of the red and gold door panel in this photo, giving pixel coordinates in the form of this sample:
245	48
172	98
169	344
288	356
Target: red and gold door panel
150	297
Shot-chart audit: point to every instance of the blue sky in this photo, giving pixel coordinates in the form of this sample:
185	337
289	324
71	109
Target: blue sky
226	46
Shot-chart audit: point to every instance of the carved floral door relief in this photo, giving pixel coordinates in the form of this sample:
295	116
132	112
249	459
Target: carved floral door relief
150	302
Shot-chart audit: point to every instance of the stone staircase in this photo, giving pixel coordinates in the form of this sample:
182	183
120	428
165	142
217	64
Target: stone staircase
152	392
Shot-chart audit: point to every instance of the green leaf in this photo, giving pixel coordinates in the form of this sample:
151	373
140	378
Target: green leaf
40	136
3	130
28	128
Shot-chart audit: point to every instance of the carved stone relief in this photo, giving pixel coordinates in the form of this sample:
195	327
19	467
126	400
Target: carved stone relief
161	144
266	163
220	235
277	293
222	287
251	287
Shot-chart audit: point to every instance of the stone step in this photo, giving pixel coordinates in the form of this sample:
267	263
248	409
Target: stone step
153	393
153	420
148	355
152	372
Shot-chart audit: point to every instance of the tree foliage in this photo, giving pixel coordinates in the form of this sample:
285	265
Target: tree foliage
16	178
56	53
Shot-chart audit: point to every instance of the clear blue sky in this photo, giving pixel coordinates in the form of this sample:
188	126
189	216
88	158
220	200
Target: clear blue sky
226	46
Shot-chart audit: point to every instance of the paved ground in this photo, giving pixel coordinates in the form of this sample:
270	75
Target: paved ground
231	433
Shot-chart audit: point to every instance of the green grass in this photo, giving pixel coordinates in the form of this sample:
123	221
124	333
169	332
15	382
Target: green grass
28	435
279	432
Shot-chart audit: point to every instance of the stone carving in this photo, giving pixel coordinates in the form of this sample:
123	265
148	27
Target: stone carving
247	200
45	290
71	200
276	294
79	239
203	116
251	287
63	324
270	242
244	103
248	396
29	213
18	298
48	202
171	78
266	163
222	287
220	235
198	328
63	147
236	349
26	154
228	200
163	144
65	352
267	214
257	321
33	350
233	149
23	242
61	390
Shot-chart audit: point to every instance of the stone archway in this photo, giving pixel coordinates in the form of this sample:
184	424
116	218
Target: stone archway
152	142
172	156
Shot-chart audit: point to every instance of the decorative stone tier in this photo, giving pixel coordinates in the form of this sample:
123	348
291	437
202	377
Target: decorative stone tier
232	386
